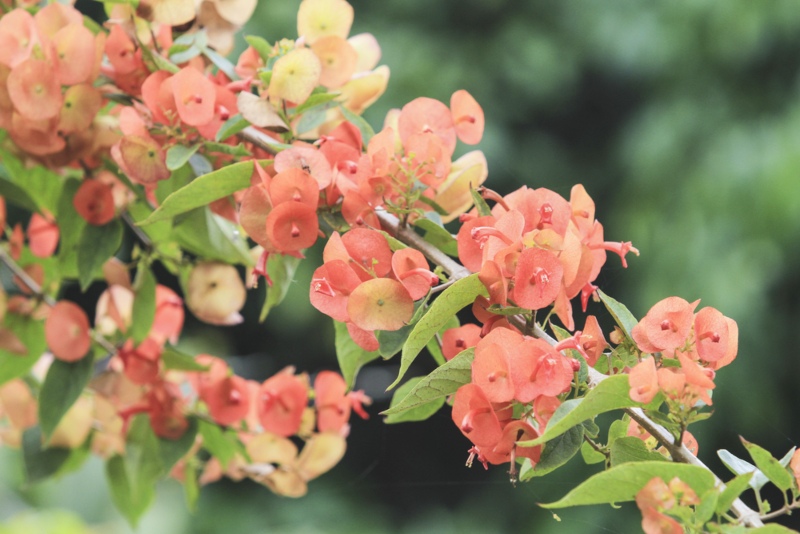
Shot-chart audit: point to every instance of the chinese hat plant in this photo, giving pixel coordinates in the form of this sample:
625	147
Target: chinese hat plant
142	127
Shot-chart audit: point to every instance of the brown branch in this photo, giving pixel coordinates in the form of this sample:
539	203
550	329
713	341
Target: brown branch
679	452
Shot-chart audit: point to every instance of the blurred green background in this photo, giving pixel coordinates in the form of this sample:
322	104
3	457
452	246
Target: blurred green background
682	120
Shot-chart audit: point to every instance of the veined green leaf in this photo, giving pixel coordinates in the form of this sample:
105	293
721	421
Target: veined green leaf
556	453
443	381
420	412
632	449
455	297
623	482
203	190
613	393
210	236
772	469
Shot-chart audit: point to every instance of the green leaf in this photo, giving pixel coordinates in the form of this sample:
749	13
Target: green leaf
191	486
204	190
172	450
450	302
590	455
623	482
358	121
230	127
222	148
36	187
132	478
632	449
312	118
733	488
708	504
433	345
420	412
154	61
623	317
437	236
174	359
611	394
222	63
210	236
221	444
433	204
316	100
97	244
144	304
618	429
480	203
772	469
557	452
260	45
281	269
40	462
31	333
71	227
390	342
443	381
772	529
61	388
742	467
179	155
515	310
15	194
351	357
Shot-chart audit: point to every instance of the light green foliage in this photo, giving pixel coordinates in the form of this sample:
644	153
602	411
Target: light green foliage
452	300
622	483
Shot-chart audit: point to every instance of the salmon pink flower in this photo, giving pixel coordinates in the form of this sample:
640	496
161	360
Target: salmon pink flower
538	278
711	334
454	340
94	202
228	400
66	331
644	381
43	236
467	118
666	326
474	415
281	402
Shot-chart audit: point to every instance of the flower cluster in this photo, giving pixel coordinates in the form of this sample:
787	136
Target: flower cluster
48	102
367	286
657	499
537	249
699	343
